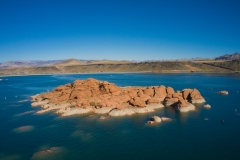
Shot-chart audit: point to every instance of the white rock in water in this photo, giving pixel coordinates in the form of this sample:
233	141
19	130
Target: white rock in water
223	92
207	106
155	119
165	119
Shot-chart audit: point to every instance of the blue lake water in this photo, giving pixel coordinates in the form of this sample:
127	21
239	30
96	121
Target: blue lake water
188	136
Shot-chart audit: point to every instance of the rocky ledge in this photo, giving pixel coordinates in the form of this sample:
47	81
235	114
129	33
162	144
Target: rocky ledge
91	95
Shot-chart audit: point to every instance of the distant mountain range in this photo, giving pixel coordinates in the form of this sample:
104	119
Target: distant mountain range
231	57
26	64
74	62
57	63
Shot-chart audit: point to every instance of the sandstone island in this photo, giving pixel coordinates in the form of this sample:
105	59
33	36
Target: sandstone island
102	97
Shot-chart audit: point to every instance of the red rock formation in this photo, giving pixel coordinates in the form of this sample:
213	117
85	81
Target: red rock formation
170	91
196	97
153	101
138	102
82	94
182	103
185	93
178	94
160	92
168	101
148	91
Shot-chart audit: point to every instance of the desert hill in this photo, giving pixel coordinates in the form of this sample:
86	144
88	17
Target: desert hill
157	67
68	62
74	62
223	64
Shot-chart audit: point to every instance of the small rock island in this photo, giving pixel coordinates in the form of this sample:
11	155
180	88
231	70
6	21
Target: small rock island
102	97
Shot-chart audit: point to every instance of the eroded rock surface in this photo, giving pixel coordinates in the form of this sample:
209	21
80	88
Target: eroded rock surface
91	95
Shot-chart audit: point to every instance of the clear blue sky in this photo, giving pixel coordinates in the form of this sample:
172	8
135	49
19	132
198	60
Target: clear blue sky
118	29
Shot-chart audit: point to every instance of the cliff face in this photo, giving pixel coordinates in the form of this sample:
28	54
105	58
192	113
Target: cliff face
91	95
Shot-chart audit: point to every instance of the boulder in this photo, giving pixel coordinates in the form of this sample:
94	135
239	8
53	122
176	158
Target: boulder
223	92
186	94
153	101
149	91
155	119
207	106
170	91
196	97
165	119
184	106
109	88
137	102
160	92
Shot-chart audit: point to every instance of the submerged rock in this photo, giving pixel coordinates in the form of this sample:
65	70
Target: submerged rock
207	106
156	119
165	119
102	118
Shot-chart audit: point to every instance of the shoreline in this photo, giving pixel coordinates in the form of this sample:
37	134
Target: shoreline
147	72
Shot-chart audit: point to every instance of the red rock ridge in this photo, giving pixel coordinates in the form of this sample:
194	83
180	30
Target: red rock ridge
98	94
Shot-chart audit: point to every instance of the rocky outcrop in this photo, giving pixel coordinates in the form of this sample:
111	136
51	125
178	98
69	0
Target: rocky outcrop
195	96
165	119
184	106
156	119
223	92
91	95
207	106
169	101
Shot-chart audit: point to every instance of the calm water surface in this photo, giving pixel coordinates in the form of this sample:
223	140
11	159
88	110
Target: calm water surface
188	136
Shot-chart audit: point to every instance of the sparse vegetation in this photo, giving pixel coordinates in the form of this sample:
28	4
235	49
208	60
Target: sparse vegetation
71	106
93	103
158	67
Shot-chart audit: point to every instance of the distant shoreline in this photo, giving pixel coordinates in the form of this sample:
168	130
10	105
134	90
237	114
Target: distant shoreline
146	67
233	73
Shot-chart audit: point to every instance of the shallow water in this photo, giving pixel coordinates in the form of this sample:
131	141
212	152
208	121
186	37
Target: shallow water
24	133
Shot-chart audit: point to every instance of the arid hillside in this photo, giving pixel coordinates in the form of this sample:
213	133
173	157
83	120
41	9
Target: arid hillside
158	67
